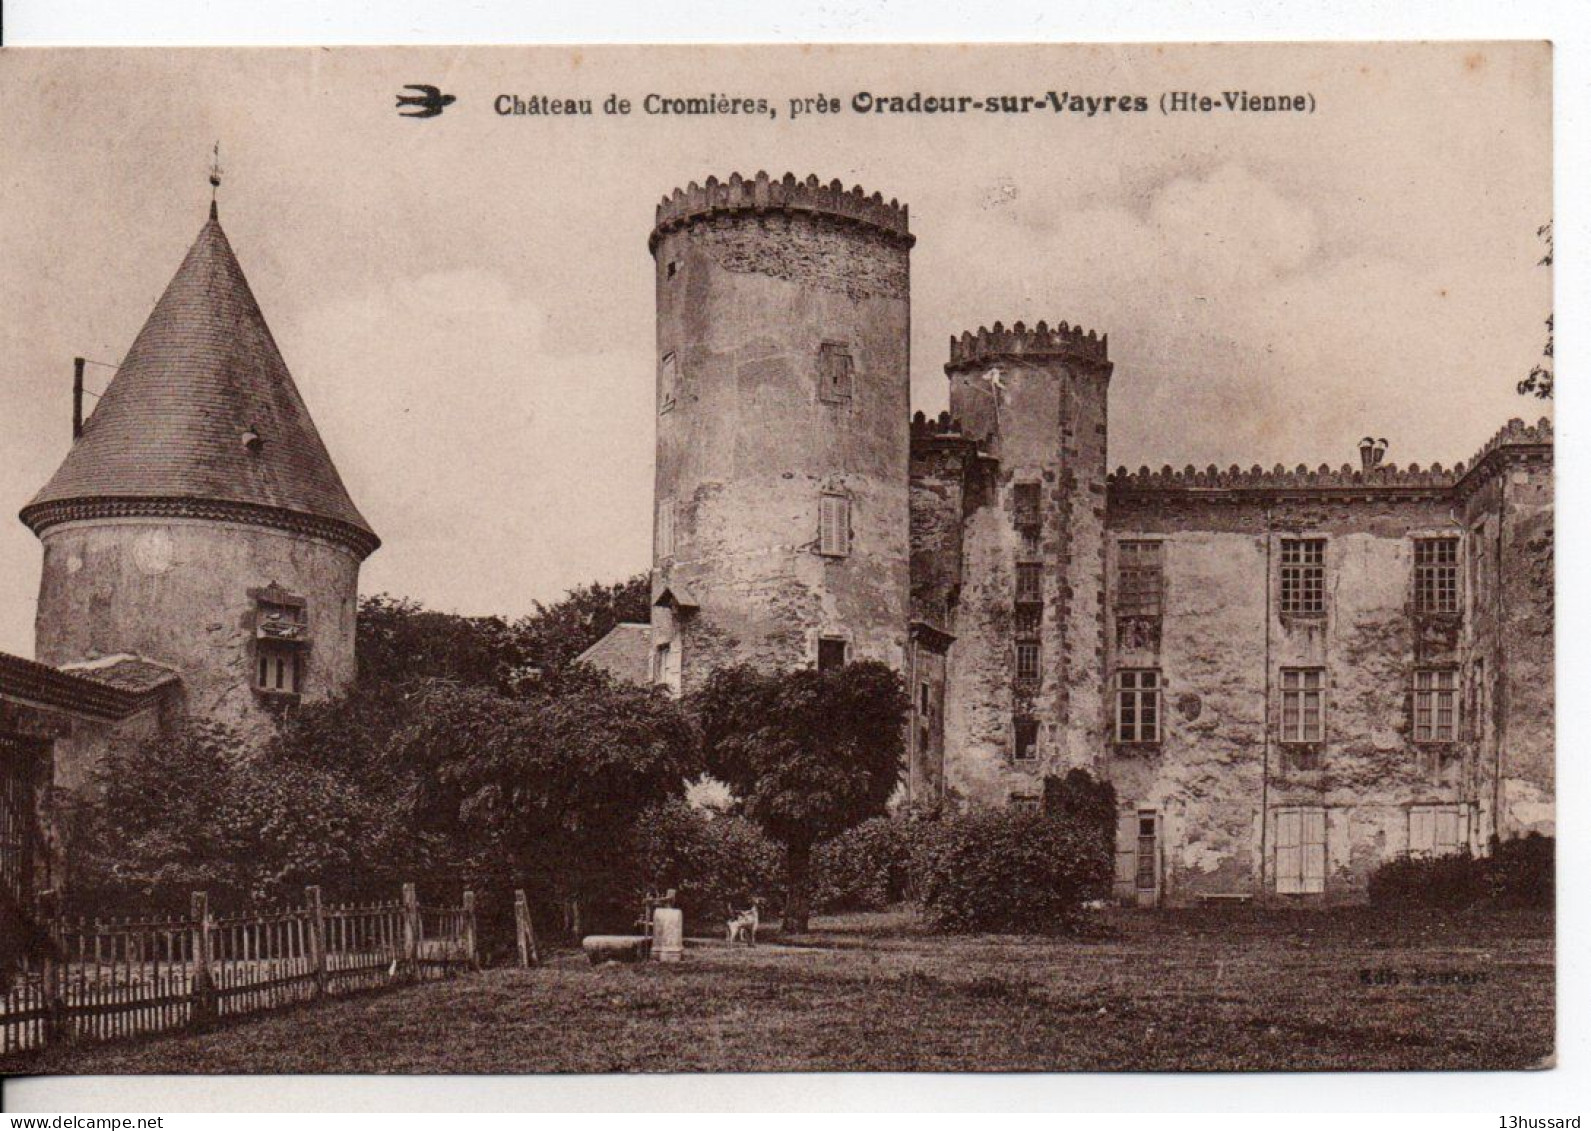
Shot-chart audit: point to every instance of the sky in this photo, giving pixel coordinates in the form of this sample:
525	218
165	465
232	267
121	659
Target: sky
466	302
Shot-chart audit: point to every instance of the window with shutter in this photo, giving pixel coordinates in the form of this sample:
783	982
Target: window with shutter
1300	856
834	526
836	377
1438	830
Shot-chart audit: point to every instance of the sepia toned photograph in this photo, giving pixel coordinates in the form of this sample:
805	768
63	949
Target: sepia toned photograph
777	559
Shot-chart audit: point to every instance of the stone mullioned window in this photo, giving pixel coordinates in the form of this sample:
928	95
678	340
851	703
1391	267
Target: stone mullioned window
1303	576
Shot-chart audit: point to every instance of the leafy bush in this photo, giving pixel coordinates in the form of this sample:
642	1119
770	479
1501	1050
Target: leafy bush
1516	873
1452	881
1012	870
713	861
866	868
1519	872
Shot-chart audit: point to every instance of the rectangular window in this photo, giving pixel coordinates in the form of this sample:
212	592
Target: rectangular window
279	668
668	382
1300	850
1303	575
1025	733
1147	870
1138	579
834	526
1027	661
1029	582
832	652
836	374
1032	542
1303	705
1025	503
1436	575
665	528
924	697
1138	705
666	668
1438	830
1436	705
1027	619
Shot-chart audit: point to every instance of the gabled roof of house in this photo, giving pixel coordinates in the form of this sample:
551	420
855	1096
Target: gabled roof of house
112	688
625	653
204	410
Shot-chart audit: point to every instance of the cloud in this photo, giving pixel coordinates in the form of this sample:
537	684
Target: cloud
496	470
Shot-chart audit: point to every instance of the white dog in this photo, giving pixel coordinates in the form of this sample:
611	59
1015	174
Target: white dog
743	924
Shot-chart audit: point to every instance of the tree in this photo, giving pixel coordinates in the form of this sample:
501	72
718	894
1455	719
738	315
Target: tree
399	640
203	808
1539	381
809	754
554	635
547	787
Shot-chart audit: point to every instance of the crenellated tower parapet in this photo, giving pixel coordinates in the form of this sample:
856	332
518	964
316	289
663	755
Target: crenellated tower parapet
741	196
1063	342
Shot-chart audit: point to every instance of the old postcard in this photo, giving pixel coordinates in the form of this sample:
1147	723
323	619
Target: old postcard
707	559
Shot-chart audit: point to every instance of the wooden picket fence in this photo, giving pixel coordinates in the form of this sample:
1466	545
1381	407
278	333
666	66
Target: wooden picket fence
105	979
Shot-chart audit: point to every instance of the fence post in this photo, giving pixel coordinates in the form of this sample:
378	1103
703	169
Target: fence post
470	954
524	931
317	938
203	989
411	933
51	982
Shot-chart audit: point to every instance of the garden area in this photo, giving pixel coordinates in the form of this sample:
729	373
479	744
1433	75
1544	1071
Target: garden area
1205	990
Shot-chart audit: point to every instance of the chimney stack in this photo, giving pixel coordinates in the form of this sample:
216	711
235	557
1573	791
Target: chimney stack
77	397
1371	453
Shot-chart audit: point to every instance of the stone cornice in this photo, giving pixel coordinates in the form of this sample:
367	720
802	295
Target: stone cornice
41	516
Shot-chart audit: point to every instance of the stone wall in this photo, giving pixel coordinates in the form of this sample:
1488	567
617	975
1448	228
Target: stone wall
749	444
179	593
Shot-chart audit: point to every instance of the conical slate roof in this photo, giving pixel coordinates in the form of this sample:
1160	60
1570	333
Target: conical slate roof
203	420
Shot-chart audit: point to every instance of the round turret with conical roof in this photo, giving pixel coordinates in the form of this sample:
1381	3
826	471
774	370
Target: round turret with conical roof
198	520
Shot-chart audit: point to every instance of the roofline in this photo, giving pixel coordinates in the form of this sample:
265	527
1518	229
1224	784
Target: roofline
39	684
39	517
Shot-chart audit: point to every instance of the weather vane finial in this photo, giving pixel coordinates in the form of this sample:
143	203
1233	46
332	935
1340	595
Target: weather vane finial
215	176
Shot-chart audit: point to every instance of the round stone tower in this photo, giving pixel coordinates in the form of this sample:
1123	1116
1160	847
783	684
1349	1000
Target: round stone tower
198	520
783	399
1026	695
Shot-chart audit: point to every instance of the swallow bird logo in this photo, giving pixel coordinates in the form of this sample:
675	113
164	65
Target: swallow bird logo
426	101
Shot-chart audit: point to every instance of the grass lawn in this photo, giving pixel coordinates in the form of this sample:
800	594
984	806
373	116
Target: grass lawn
1205	990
